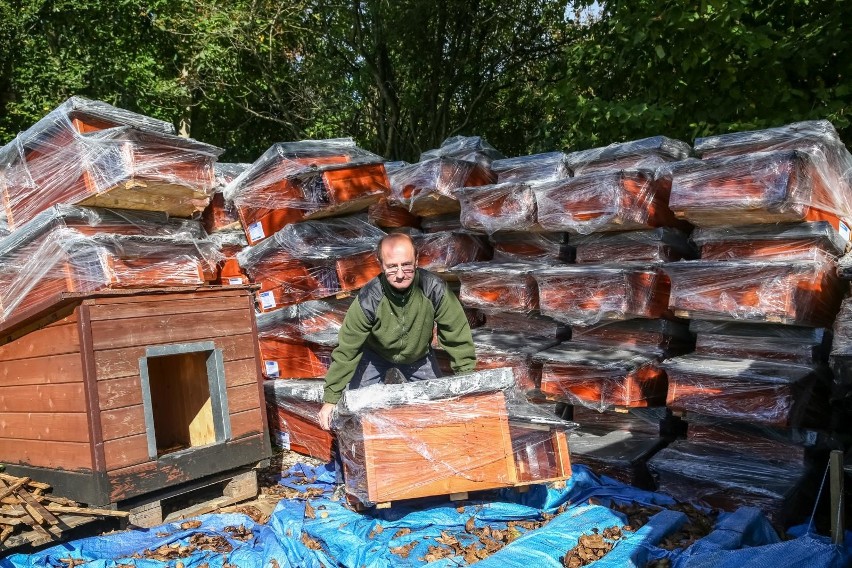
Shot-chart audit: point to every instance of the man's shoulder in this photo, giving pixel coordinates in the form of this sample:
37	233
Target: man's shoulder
432	286
370	296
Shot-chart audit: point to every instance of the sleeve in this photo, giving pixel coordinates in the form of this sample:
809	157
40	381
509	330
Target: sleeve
347	354
454	333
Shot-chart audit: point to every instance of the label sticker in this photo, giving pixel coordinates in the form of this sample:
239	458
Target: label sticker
235	281
844	230
256	231
271	369
282	439
267	300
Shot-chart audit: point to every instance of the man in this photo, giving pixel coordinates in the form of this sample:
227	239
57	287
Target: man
390	325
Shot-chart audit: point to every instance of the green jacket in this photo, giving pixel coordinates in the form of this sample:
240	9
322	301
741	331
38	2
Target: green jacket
398	327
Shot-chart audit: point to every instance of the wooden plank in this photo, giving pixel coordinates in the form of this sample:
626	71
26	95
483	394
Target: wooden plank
242	398
178	328
53	369
38	453
43	398
117	393
241	372
55	426
124	362
55	339
125	452
171	306
167	294
121	422
245	423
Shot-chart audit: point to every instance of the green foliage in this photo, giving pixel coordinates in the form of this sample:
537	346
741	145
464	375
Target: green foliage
401	76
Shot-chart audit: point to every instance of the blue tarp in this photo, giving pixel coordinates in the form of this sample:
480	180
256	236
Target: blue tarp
346	538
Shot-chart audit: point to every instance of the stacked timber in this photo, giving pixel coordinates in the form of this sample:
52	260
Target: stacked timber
92	154
221	215
309	179
446	436
293	407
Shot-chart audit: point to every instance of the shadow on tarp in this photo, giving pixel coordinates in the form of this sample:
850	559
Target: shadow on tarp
333	535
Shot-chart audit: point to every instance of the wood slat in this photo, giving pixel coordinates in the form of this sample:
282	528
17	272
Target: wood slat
245	423
126	451
177	306
55	339
126	297
178	328
43	398
121	422
241	372
242	398
117	393
52	369
124	362
57	427
39	453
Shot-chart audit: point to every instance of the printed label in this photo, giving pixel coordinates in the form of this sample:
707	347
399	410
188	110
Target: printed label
844	231
235	281
271	369
282	439
256	231
267	300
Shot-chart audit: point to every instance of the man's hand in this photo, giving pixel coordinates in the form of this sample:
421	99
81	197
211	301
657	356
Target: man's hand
325	415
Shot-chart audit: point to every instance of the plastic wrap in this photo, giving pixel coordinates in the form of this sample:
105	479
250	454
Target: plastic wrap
776	342
532	247
294	181
74	249
501	207
791	136
293	407
229	243
664	244
527	324
285	353
777	291
785	241
647	153
761	441
587	294
498	287
841	351
441	251
444	436
441	223
617	444
606	201
384	214
221	215
468	148
90	153
601	378
649	335
312	260
741	390
535	168
511	349
807	184
724	478
427	188
844	267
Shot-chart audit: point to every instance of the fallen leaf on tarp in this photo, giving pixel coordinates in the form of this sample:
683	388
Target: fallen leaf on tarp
404	550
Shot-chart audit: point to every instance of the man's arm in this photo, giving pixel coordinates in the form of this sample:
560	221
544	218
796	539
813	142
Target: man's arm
347	354
454	333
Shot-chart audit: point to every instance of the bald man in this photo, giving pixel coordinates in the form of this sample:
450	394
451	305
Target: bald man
390	326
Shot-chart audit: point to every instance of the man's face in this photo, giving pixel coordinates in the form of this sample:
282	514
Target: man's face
398	263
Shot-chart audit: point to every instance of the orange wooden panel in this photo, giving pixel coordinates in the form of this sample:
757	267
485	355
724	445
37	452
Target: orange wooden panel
67	368
116	393
246	423
244	397
645	386
176	304
356	270
510	293
65	397
127	451
122	422
295	359
55	339
306	436
347	184
241	372
464	455
72	456
53	426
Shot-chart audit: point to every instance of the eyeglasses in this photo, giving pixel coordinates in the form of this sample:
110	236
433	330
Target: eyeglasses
405	267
